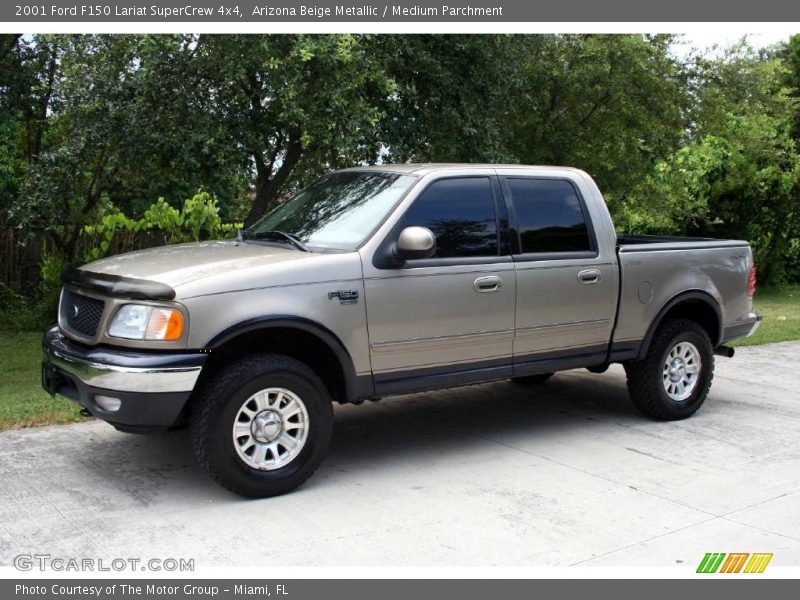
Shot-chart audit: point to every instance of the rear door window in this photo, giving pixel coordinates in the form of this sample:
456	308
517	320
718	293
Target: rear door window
550	216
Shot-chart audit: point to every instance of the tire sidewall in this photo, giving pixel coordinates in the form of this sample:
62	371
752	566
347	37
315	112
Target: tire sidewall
703	345
222	453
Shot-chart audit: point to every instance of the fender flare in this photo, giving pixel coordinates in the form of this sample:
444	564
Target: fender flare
356	387
700	295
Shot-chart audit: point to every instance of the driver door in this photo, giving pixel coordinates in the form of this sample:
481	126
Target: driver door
447	319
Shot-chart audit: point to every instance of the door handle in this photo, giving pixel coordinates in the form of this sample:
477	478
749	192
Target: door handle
492	283
589	276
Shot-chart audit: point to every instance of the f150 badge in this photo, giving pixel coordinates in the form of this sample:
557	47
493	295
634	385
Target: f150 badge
344	296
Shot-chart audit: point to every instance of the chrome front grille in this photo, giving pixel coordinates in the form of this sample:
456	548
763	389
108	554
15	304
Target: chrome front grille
81	314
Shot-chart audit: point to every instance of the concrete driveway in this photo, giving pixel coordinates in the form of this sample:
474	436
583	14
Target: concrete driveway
566	473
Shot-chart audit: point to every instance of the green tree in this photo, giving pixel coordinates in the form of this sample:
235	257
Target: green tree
609	104
739	174
790	54
97	125
295	105
110	121
454	93
27	82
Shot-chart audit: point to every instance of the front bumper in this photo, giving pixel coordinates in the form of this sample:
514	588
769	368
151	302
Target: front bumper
152	387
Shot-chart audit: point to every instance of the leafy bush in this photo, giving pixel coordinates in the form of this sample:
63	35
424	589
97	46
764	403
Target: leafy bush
21	313
161	224
738	174
198	219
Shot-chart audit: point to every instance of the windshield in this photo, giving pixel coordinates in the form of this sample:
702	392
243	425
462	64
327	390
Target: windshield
338	211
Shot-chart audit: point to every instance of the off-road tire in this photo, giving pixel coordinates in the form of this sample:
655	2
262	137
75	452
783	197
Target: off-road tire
218	402
645	377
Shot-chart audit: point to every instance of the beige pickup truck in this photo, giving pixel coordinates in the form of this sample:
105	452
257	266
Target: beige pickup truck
387	280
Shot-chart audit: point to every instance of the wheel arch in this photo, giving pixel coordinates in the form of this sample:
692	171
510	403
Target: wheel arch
299	337
694	305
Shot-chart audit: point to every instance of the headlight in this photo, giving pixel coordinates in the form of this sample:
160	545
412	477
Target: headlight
142	322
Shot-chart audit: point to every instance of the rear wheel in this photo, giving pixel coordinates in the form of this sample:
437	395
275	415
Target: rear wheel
532	379
673	380
262	425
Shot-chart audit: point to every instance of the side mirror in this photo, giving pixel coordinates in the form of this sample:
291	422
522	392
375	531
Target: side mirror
415	242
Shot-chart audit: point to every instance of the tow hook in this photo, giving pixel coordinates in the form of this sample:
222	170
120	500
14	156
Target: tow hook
725	351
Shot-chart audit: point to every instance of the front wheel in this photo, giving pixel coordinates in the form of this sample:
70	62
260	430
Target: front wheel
673	380
262	425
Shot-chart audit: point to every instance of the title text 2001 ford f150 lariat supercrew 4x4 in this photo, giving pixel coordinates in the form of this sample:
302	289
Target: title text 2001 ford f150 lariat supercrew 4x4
384	280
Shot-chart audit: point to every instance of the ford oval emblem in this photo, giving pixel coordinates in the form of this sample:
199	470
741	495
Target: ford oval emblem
75	310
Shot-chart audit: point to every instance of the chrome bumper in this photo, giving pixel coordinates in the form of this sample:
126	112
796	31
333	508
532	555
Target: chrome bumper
153	378
755	322
134	391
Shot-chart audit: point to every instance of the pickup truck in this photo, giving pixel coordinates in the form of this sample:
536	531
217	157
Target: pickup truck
385	280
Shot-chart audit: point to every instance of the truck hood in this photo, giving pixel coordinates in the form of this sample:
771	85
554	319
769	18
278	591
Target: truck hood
183	263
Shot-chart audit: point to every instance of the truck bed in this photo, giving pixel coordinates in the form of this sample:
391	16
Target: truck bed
642	243
655	269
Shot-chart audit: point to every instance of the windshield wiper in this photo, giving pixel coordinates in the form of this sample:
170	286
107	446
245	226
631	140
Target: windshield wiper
292	239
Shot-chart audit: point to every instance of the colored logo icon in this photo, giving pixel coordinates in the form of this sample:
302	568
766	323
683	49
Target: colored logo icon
734	562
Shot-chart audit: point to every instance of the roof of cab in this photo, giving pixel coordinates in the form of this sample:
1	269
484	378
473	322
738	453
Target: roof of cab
425	168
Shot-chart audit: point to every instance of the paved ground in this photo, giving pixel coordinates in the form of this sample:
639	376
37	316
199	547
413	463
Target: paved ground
567	473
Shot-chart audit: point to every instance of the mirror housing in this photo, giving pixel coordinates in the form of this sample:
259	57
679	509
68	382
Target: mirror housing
414	243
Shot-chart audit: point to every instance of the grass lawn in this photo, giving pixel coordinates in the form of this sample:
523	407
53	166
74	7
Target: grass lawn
781	310
23	403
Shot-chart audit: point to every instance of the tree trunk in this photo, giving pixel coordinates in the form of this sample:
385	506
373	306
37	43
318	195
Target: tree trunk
267	185
51	78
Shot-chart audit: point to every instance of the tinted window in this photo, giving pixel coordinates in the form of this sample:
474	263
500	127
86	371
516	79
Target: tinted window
460	212
549	216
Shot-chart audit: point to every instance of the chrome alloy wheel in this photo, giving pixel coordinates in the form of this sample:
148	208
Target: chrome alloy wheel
681	371
270	429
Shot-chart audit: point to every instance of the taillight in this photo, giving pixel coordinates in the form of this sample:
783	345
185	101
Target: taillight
752	281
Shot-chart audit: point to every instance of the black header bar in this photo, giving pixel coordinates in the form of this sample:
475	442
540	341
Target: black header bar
411	11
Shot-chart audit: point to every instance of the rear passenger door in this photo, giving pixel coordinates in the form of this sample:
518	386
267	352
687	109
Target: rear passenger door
566	287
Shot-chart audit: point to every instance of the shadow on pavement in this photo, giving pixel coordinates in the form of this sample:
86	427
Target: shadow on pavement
378	435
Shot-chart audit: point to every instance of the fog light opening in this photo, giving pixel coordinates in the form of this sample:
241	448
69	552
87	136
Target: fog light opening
108	403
